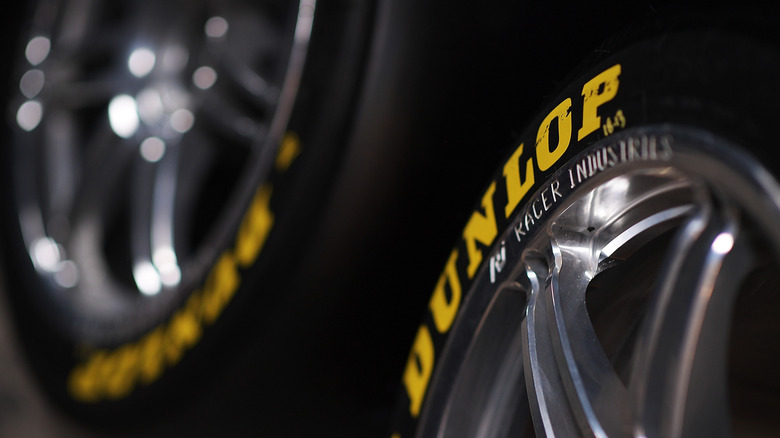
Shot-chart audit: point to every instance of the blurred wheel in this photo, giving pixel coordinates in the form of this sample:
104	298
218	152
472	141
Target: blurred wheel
163	154
141	141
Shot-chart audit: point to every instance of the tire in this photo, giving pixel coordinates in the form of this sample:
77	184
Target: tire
617	275
131	274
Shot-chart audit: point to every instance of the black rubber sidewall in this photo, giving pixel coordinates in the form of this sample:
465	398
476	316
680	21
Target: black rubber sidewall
719	79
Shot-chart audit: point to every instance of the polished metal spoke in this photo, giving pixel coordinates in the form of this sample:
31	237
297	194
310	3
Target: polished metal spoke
562	342
576	388
550	411
233	61
250	81
62	159
679	385
594	390
497	360
152	227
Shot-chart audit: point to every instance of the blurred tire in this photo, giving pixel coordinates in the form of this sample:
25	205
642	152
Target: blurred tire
164	158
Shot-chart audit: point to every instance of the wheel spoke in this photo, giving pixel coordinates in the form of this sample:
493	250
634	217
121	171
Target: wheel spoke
251	82
62	164
163	219
227	116
237	64
572	376
597	396
679	381
155	264
550	411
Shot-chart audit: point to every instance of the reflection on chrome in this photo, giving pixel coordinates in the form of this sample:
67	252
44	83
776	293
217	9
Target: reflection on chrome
182	120
29	115
67	274
305	20
31	83
146	278
46	254
642	226
216	27
37	50
152	149
49	256
204	77
150	106
123	115
723	243
167	265
141	62
602	204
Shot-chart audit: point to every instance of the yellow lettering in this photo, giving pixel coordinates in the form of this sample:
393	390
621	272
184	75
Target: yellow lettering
193	306
546	157
444	310
114	374
515	188
220	286
83	382
288	151
186	328
595	92
255	228
418	371
172	349
480	228
152	359
121	369
183	332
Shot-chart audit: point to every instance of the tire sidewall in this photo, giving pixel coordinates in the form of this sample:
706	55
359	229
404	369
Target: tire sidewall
718	80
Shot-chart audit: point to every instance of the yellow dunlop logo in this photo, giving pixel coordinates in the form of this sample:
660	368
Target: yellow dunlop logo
520	173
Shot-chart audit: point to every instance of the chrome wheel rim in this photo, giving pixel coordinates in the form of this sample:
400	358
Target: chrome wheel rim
628	312
143	131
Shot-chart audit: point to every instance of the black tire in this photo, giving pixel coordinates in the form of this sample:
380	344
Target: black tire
240	238
617	276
